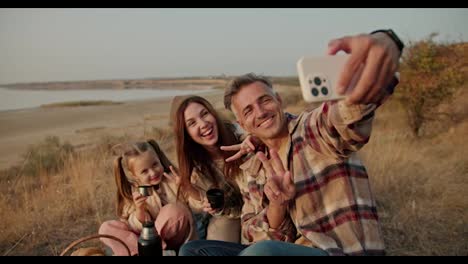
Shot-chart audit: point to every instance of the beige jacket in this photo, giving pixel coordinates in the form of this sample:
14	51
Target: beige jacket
233	202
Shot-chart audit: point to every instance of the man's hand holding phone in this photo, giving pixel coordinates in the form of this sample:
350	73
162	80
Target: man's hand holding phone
360	77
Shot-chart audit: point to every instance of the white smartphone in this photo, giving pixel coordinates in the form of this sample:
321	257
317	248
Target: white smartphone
318	77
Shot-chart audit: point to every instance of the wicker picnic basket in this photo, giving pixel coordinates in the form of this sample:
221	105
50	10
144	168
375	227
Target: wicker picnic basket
91	251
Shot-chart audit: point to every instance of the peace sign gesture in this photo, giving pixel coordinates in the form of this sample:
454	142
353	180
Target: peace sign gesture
174	177
247	146
279	187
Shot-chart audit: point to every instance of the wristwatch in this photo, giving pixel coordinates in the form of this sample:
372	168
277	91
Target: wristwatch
393	36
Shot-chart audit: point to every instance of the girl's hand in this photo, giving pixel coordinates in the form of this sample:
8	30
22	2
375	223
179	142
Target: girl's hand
140	204
139	200
174	177
188	189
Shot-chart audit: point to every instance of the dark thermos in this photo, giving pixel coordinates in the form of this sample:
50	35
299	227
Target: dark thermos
149	243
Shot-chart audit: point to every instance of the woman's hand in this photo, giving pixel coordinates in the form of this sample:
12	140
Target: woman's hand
247	146
207	208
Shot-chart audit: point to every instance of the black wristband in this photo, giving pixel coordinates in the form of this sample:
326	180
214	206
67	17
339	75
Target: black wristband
393	36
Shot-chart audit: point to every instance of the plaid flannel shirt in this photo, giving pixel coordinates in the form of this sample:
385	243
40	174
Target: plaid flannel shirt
333	209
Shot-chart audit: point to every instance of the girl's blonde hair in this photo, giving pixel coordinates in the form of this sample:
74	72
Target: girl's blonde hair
123	174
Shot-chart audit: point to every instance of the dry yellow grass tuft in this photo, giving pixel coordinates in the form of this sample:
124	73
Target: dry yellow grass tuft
420	186
50	210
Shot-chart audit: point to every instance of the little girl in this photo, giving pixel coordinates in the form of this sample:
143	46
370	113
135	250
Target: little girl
143	163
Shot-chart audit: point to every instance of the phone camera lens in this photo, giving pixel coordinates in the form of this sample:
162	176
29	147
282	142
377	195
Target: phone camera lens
315	91
324	90
317	81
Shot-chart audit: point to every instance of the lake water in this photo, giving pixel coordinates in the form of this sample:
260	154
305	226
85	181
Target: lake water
11	99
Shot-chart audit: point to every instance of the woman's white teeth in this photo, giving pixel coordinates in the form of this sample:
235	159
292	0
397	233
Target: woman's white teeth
207	133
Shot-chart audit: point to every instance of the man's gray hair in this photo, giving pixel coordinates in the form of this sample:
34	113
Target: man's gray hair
237	83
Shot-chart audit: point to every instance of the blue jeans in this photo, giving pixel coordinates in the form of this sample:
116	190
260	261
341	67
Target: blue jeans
201	223
262	248
210	248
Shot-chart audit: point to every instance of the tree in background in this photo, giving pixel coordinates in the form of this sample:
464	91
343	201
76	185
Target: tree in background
431	73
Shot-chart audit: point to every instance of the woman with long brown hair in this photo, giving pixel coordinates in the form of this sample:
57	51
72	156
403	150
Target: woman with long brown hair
200	132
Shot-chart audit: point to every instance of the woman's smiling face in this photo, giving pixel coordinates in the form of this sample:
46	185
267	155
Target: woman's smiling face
201	125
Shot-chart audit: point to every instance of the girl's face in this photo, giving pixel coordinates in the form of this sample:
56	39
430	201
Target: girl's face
201	125
146	168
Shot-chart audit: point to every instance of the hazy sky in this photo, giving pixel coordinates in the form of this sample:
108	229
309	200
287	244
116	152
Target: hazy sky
93	44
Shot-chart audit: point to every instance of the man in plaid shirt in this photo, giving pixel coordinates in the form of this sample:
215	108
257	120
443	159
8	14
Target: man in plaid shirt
308	193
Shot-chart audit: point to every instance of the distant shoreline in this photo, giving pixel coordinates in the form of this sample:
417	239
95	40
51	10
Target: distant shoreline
161	84
92	102
82	124
175	87
192	83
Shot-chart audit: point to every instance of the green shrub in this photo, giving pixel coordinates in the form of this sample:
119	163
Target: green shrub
430	75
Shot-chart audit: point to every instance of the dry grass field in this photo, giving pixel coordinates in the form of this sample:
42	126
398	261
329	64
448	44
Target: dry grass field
420	185
62	191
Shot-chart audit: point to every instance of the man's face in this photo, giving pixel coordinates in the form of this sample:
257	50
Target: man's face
259	110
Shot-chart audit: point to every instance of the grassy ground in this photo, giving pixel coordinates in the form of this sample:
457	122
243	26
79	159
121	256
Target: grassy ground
420	185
